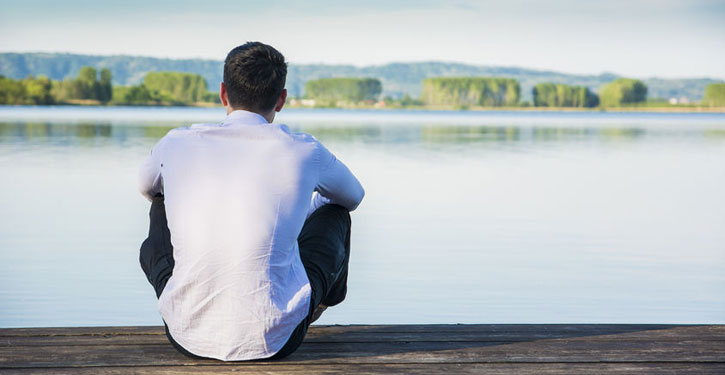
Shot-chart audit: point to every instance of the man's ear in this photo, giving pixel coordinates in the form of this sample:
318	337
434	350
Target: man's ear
280	102
223	95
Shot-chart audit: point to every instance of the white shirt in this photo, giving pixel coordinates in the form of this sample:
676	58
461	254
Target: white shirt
236	196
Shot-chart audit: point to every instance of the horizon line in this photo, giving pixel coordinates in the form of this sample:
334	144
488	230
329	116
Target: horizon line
371	65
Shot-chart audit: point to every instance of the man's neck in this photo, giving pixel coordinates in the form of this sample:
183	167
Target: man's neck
269	116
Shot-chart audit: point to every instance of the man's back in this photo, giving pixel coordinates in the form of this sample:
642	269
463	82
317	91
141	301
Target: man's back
237	195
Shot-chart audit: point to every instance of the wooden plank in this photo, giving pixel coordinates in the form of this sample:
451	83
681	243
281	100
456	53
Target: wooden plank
557	350
367	369
320	335
386	349
155	335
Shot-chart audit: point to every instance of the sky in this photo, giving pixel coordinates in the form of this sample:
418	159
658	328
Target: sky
638	38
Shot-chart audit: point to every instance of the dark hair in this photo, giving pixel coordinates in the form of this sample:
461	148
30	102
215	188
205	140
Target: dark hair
254	75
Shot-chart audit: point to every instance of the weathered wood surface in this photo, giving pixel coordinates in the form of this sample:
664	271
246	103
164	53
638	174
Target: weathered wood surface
398	349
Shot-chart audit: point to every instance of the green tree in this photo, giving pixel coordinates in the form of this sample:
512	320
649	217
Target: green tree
471	91
343	89
714	95
27	91
87	75
623	91
11	91
84	86
105	87
37	90
133	95
211	97
558	95
138	94
65	89
87	83
177	86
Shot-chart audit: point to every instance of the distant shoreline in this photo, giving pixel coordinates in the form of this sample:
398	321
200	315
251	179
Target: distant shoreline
540	109
673	109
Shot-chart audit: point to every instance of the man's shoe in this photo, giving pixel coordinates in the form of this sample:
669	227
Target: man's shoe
318	312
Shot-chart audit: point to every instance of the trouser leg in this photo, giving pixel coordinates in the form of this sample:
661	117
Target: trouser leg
325	251
324	244
157	256
157	253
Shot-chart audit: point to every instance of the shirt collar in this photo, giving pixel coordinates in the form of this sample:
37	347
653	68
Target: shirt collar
240	116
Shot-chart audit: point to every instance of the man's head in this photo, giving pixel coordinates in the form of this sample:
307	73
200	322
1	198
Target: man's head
254	79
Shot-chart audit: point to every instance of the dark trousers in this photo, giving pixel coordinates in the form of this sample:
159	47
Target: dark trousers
324	244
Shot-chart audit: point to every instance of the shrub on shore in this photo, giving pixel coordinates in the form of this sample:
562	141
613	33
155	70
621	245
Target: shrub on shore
714	95
464	92
560	95
353	90
622	92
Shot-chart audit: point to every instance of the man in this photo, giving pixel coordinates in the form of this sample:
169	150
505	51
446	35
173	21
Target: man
250	232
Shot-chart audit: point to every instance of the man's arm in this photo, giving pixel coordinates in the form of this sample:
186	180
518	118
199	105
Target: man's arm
150	181
337	185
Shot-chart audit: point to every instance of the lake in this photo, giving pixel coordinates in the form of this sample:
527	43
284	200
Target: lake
469	217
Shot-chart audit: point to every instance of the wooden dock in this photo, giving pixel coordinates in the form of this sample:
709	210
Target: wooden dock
385	349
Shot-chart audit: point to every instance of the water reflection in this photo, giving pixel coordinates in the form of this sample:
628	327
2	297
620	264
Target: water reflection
75	133
493	217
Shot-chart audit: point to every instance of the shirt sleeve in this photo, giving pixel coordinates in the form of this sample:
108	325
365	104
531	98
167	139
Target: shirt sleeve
337	185
150	180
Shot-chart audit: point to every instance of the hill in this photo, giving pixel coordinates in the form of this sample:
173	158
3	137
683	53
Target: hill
398	78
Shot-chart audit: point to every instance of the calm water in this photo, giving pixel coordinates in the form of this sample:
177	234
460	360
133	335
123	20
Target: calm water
496	217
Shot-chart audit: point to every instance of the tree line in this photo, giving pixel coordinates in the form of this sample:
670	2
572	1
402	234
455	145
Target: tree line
351	90
174	88
471	91
560	95
95	87
504	92
465	92
398	78
88	85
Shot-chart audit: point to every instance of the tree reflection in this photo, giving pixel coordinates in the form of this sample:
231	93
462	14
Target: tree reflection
89	132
